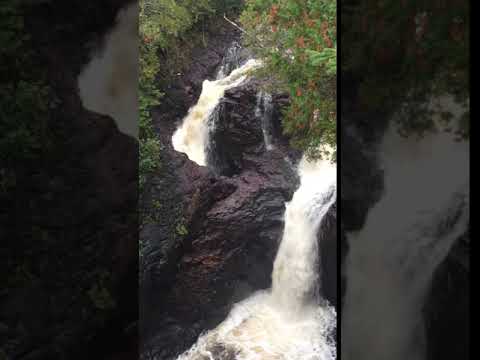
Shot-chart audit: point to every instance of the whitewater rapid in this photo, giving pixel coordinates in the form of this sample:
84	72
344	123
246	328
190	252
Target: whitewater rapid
192	136
291	321
407	234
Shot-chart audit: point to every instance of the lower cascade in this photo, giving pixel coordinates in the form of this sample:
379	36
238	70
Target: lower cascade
290	321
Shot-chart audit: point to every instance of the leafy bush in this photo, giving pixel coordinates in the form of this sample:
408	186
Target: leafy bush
297	41
404	52
162	23
149	156
24	94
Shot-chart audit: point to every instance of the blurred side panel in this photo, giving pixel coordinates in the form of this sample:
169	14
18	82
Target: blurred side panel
405	179
69	180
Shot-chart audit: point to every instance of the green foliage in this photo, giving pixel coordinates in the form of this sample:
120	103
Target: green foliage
161	24
181	229
162	20
99	293
149	96
404	52
20	276
24	94
327	57
227	6
101	297
149	156
297	41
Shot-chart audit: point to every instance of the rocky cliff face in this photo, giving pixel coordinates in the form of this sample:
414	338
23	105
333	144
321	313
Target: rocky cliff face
223	244
219	227
361	179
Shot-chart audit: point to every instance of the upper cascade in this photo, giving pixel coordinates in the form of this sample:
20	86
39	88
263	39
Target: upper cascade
192	136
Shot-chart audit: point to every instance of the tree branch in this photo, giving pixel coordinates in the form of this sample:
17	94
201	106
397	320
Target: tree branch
232	23
243	31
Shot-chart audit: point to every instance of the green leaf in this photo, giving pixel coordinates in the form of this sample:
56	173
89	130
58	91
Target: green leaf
101	297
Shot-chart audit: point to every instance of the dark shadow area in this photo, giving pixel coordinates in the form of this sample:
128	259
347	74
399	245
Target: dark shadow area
68	195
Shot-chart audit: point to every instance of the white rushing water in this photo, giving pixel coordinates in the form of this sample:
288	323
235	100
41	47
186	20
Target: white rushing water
407	234
290	321
230	61
108	84
192	136
264	111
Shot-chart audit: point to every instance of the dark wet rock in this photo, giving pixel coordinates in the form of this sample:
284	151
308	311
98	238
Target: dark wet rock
217	232
234	225
361	179
237	130
218	228
447	306
184	88
328	262
238	136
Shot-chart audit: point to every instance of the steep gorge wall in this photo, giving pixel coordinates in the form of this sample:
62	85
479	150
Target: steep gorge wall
218	231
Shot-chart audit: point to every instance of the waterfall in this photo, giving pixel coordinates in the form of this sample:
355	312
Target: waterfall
230	61
290	321
295	277
108	84
407	234
192	136
263	112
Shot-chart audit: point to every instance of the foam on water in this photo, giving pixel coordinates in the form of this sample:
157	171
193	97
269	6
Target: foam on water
290	321
192	136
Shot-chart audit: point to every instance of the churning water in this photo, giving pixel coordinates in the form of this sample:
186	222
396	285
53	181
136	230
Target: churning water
407	234
291	321
192	136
